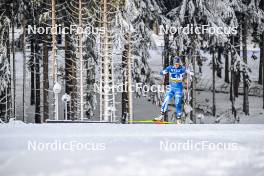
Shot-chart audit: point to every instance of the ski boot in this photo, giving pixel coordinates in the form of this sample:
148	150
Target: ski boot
178	118
160	118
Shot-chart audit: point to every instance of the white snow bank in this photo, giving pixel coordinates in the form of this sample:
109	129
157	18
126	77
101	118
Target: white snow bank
132	150
13	121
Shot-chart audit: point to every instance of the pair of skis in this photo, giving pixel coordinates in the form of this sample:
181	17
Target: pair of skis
153	122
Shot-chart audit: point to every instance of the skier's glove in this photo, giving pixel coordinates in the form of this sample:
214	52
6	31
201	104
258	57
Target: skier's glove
189	72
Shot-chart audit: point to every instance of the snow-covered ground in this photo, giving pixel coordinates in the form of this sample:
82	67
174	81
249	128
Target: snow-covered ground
132	150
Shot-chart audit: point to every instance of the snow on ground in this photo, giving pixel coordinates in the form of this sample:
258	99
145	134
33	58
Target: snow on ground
129	150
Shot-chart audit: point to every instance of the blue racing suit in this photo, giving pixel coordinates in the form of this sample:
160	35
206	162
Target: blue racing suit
175	88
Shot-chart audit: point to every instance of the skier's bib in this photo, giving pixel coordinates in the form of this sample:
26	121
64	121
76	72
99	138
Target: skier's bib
176	74
176	78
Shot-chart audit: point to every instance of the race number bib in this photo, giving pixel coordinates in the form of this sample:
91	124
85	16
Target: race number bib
176	77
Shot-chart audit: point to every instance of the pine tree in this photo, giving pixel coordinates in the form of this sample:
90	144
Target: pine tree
245	77
5	63
70	65
24	66
45	79
125	96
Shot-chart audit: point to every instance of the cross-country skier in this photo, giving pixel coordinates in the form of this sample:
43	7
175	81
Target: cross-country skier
176	74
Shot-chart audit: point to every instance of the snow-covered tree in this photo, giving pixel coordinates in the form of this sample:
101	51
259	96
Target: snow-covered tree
5	64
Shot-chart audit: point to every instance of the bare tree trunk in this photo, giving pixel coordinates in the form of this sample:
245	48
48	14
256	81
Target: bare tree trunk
237	44
166	63
193	93
213	107
219	62
14	68
231	87
80	49
124	102
129	79
260	63
32	72
9	88
232	96
232	83
67	71
245	77
70	71
106	61
127	109
45	80
70	77
236	83
227	67
24	69
70	74
107	96
54	43
262	49
37	67
232	78
73	87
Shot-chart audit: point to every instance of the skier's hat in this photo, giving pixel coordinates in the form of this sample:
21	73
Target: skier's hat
177	60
